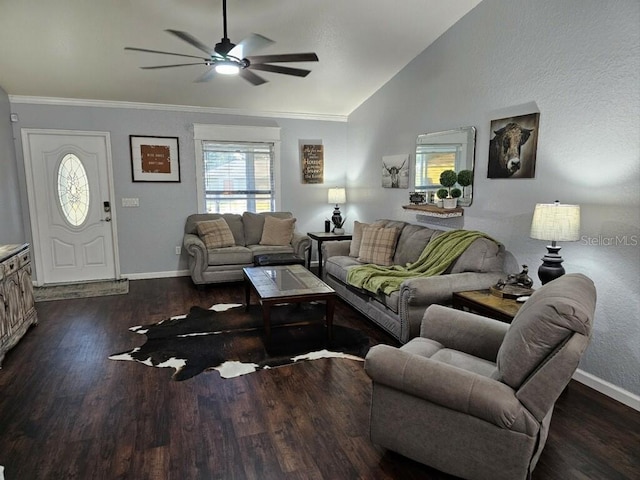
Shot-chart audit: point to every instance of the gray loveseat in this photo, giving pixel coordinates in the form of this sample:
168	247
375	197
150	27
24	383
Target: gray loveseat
224	264
400	313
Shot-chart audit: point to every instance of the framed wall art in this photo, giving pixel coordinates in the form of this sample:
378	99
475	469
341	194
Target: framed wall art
154	159
512	147
312	160
395	171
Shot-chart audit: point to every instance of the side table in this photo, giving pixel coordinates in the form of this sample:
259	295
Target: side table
324	237
483	302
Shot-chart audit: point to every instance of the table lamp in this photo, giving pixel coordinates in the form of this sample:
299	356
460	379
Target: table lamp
337	195
554	222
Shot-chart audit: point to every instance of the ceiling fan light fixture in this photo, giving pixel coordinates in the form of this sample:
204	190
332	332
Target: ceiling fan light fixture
227	67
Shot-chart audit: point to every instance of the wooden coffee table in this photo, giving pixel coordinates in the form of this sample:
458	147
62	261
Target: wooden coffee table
278	284
483	302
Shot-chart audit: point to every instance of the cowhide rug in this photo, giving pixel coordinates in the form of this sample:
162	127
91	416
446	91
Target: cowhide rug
230	340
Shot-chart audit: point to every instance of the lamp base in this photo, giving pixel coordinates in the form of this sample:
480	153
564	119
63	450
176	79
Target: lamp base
551	267
336	218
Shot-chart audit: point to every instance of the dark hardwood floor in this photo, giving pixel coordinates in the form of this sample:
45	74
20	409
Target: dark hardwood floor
68	412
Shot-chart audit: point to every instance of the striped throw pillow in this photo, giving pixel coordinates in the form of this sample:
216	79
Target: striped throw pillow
215	233
378	245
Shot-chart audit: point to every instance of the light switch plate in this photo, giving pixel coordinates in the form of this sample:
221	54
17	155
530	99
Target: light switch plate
130	202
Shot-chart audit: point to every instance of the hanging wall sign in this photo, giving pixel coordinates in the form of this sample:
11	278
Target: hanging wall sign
154	159
312	160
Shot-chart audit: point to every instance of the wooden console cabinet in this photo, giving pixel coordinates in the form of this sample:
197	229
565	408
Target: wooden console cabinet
17	307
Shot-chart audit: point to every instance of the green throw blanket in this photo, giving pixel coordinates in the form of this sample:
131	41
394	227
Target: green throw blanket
439	253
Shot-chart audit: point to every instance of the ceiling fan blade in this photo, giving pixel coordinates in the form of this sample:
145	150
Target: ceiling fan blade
298	72
206	76
247	45
252	77
164	53
285	57
170	66
191	40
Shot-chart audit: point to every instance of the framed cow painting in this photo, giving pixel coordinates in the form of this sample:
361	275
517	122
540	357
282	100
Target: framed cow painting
512	147
395	171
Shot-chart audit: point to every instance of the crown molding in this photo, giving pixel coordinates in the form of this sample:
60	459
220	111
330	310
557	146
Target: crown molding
78	102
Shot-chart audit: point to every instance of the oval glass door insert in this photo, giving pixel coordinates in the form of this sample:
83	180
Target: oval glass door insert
73	190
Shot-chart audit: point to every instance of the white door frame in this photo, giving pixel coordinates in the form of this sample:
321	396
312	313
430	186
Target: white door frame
33	214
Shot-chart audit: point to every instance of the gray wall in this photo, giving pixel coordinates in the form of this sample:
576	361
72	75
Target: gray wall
578	64
11	230
148	235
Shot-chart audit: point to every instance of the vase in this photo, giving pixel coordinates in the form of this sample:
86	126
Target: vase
338	231
449	203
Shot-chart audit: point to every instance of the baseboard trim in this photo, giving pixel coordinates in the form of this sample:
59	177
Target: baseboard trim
150	275
609	389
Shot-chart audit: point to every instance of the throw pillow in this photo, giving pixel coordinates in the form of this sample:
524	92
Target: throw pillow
277	231
215	233
378	245
356	240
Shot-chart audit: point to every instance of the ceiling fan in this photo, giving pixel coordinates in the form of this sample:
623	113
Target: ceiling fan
229	58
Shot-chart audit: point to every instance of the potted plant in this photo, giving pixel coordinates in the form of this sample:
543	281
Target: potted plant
337	229
441	194
465	179
448	179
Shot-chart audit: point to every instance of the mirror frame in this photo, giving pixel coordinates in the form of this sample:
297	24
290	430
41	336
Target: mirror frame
450	137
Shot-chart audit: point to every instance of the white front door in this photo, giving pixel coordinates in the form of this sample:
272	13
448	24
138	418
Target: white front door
70	189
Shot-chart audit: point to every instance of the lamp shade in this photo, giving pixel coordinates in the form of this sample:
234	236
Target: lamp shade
556	222
337	195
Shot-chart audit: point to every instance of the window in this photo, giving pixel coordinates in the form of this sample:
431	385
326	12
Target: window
237	168
73	190
238	177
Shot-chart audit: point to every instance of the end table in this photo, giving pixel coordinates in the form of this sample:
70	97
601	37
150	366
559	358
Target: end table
483	302
324	237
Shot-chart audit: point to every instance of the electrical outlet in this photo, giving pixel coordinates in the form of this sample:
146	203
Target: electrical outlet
178	250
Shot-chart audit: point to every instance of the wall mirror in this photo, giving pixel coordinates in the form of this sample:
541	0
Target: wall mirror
439	151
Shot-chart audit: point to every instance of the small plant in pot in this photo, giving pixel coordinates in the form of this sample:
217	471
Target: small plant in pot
465	179
448	179
441	194
338	226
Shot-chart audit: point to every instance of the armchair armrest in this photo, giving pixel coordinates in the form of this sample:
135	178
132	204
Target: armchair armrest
467	332
448	386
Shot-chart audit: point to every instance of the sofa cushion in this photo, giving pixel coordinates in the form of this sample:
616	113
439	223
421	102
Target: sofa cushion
229	256
356	238
483	255
412	241
254	224
277	231
378	245
543	323
215	233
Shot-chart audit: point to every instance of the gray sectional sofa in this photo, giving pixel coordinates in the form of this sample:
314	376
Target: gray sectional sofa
224	264
400	313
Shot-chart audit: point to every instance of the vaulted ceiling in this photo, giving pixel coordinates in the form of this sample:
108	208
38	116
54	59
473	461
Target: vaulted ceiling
75	49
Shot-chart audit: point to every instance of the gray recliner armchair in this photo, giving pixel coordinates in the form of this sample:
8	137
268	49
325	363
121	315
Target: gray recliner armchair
473	396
